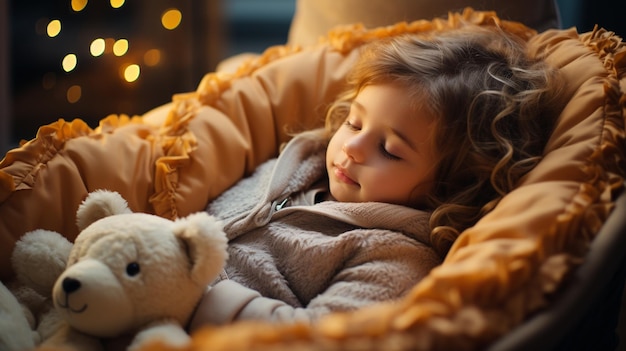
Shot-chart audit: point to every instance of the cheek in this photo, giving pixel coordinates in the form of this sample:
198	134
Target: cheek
334	146
398	180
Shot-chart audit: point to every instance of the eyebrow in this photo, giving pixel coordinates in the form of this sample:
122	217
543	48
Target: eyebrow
401	135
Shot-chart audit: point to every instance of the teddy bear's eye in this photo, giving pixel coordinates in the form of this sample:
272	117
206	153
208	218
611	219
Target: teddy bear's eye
132	269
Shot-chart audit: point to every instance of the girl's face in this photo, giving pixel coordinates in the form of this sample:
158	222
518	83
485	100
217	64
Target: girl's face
383	151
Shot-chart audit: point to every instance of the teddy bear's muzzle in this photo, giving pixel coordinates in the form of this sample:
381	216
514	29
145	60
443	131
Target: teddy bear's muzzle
93	300
70	285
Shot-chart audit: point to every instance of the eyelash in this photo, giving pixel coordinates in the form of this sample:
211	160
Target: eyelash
351	126
388	155
382	149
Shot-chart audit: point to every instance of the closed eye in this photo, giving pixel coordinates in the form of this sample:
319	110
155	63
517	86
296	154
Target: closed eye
387	154
351	126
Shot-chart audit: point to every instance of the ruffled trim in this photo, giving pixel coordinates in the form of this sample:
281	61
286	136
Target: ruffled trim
177	143
212	85
345	38
49	140
438	314
175	140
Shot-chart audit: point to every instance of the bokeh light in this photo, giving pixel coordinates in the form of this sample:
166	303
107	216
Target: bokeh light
131	73
69	62
49	80
74	94
120	47
97	47
116	4
78	5
152	57
171	18
54	28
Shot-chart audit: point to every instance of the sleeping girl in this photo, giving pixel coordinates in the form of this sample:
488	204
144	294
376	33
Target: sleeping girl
430	133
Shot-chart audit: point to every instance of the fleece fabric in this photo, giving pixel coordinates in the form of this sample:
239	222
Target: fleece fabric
294	262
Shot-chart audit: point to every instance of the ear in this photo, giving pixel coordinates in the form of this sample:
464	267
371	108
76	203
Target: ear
100	204
39	258
205	243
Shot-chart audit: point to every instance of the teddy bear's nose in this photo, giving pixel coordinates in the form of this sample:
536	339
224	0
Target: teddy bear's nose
70	285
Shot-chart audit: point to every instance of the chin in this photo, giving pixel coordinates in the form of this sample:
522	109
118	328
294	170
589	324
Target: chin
338	195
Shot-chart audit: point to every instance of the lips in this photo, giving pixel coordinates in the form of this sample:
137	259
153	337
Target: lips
342	176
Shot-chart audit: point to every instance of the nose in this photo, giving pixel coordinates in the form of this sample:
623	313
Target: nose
355	149
70	285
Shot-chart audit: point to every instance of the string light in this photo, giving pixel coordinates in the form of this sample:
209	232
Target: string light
97	47
116	4
120	47
74	93
131	73
54	28
152	57
69	62
78	5
171	19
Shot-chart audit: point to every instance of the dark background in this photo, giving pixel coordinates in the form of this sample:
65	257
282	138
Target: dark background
210	31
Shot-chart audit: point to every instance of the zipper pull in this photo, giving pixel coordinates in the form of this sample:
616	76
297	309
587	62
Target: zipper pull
282	204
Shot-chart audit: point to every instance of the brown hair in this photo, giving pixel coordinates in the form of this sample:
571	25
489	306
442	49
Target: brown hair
495	109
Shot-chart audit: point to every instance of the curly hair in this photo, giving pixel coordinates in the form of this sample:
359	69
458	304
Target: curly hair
495	108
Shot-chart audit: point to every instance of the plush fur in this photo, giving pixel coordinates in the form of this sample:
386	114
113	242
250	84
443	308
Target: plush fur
128	276
15	327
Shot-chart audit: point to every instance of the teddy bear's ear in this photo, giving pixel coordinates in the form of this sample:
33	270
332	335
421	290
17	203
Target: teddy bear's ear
205	244
100	204
39	258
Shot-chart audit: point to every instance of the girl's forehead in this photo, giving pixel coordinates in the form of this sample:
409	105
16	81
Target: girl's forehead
391	107
395	96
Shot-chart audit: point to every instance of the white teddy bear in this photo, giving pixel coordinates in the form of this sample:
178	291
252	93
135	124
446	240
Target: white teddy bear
126	274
